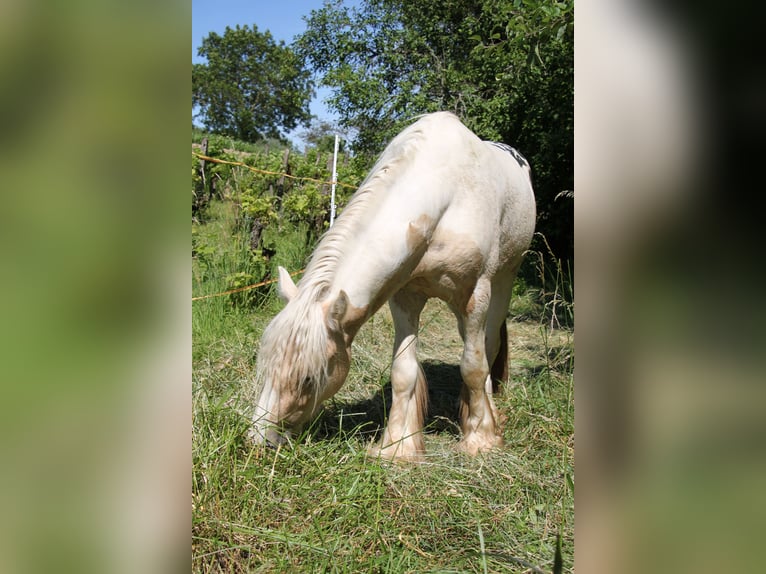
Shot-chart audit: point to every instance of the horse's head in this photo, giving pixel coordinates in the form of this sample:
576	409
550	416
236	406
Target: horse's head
303	360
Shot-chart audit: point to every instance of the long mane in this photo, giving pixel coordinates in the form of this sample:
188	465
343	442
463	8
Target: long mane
360	208
294	346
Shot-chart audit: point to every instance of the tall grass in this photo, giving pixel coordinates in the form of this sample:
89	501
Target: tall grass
321	505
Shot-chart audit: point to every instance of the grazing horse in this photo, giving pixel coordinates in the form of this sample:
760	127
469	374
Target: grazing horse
442	214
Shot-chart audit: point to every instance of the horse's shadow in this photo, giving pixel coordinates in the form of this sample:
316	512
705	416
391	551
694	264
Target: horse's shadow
367	418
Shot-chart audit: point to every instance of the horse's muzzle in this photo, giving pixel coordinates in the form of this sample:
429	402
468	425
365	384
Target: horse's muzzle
268	434
274	438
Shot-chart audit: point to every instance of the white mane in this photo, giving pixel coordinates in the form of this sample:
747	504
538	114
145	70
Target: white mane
360	208
294	346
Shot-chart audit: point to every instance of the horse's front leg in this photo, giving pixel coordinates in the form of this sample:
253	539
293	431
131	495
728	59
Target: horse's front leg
403	436
478	415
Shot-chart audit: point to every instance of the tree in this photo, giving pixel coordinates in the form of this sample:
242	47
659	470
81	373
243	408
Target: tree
504	66
250	87
321	135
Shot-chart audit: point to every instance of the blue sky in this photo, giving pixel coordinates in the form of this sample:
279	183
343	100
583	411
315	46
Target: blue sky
284	19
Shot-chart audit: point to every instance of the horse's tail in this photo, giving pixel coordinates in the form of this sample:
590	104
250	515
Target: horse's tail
500	366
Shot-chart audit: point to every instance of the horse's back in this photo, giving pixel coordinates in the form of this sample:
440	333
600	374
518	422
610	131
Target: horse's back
486	188
482	208
514	187
440	209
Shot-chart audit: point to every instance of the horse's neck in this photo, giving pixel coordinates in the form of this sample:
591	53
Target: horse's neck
376	267
368	286
380	251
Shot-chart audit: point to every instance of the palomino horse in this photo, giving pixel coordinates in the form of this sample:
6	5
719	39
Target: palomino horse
442	214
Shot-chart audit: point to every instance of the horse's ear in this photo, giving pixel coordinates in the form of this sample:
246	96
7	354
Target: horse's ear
337	311
287	288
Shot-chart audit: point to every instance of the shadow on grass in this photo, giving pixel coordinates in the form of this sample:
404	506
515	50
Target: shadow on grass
367	418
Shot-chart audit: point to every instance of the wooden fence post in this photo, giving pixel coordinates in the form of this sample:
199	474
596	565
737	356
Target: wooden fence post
205	184
285	170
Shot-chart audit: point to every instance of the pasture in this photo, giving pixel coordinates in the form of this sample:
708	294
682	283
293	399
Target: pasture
322	505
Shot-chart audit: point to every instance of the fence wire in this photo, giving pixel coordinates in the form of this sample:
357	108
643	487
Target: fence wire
245	288
266	172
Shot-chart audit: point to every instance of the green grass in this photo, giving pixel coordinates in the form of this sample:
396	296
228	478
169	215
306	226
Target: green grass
322	506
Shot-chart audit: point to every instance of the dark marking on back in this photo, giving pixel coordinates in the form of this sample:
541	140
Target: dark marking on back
514	152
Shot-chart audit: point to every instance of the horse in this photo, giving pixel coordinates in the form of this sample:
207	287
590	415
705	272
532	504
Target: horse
441	214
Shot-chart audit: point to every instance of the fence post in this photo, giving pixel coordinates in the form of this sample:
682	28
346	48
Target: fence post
205	189
334	181
285	165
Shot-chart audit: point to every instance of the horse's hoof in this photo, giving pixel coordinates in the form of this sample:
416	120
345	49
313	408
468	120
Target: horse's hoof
474	444
395	453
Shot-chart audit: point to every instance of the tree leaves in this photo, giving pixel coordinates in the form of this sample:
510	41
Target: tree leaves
251	87
505	67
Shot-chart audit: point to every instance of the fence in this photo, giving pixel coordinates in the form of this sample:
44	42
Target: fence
245	288
204	158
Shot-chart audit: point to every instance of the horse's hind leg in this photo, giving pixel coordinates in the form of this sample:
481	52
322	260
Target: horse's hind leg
499	370
497	337
497	332
478	414
403	436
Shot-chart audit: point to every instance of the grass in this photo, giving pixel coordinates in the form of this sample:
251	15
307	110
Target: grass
322	506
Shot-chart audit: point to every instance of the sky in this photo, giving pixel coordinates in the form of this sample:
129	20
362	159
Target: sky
284	19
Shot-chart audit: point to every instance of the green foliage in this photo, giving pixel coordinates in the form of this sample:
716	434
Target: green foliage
271	219
219	143
544	288
251	87
259	207
306	203
504	66
272	199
